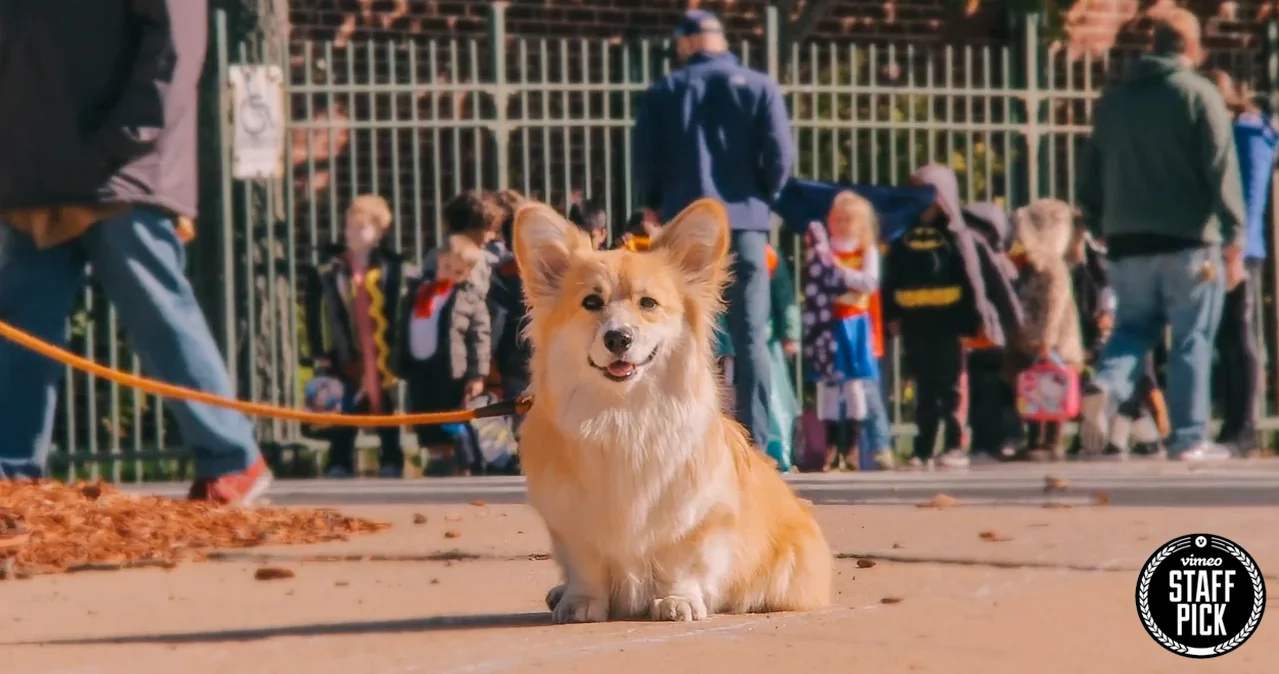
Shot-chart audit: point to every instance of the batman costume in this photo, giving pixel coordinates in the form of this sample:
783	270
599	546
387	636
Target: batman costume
935	289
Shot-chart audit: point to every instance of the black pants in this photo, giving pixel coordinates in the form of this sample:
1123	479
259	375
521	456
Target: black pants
342	439
937	362
1139	404
1239	365
992	405
432	388
843	436
1044	435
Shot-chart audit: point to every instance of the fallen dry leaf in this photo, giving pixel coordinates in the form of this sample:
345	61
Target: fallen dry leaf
452	533
1101	498
1058	505
452	517
866	563
994	537
272	573
419	518
939	501
1054	483
898	546
479	503
891	600
94	527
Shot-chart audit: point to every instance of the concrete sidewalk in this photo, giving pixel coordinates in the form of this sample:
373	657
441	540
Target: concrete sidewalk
1057	597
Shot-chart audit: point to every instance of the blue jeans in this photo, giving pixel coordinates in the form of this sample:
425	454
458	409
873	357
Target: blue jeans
876	434
138	261
1153	291
749	305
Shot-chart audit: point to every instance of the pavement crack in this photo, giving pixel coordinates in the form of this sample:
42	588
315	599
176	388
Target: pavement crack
453	556
998	563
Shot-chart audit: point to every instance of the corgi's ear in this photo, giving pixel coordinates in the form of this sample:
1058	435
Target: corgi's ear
544	245
697	241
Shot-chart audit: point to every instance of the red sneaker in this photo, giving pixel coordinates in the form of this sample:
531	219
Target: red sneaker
236	489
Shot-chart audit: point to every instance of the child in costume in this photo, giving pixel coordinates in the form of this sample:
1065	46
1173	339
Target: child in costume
446	354
508	313
844	329
938	288
992	406
352	307
1045	230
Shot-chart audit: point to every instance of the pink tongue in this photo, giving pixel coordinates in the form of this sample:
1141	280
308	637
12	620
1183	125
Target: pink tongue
620	368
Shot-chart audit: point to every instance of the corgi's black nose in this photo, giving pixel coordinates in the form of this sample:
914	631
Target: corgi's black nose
618	341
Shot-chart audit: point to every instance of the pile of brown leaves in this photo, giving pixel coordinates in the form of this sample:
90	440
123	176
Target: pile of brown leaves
90	526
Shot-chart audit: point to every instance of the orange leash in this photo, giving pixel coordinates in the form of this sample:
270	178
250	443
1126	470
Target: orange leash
504	408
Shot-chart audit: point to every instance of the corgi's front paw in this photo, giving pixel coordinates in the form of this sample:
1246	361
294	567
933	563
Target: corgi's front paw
554	596
571	608
679	609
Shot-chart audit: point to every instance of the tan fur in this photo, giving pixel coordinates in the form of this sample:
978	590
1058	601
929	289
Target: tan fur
1045	230
656	503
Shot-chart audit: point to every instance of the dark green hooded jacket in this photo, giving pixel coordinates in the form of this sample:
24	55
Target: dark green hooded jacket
1161	163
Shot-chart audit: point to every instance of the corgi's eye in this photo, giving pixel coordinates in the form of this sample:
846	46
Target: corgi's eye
592	302
647	303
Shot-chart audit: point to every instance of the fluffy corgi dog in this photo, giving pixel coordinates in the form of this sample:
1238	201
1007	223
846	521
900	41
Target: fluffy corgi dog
656	503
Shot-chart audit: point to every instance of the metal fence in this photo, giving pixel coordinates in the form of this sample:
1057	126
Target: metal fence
418	121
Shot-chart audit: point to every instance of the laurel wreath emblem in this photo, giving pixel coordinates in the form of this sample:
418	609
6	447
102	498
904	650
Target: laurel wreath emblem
1258	600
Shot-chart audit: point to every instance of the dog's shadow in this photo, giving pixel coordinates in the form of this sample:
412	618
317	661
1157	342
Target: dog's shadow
431	624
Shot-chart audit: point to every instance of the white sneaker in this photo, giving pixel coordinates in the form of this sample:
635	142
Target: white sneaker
1094	432
982	459
955	459
1205	451
886	459
916	464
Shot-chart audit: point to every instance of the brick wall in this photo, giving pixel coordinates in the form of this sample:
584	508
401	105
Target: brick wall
359	19
1095	26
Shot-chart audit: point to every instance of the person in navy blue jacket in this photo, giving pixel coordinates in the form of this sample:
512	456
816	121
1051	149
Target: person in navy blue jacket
1239	362
715	128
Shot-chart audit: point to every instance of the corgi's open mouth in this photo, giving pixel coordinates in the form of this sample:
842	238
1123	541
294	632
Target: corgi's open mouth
621	370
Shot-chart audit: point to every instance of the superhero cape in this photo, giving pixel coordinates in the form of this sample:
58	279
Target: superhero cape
898	207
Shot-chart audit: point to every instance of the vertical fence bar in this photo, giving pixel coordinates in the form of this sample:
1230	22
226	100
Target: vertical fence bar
1033	108
113	361
229	316
501	93
290	312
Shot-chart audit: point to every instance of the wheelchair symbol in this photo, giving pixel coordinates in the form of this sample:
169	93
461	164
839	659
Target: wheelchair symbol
254	113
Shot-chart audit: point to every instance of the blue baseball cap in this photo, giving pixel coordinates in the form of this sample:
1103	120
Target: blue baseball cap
697	22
